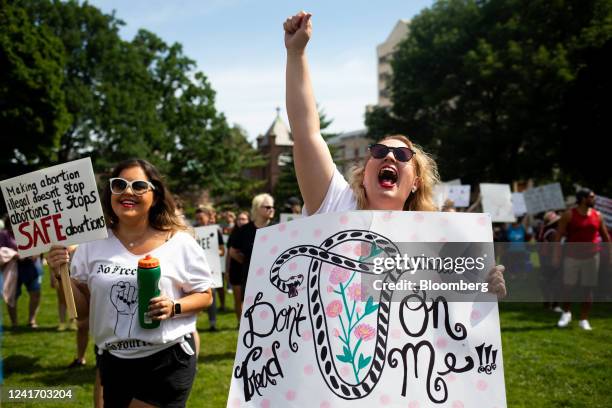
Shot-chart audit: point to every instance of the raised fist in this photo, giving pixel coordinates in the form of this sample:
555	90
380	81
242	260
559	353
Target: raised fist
298	30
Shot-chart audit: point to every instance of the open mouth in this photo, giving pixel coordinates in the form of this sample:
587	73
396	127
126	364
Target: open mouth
128	203
387	177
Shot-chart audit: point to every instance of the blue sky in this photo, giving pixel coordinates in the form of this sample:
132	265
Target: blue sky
238	44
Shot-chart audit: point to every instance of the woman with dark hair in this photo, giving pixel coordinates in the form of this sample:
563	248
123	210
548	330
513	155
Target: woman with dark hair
140	367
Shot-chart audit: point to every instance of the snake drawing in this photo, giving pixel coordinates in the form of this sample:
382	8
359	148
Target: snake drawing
320	255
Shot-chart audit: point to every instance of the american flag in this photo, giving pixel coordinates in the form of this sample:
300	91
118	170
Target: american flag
604	206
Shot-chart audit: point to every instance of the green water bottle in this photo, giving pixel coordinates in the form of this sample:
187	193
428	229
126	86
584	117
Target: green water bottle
148	287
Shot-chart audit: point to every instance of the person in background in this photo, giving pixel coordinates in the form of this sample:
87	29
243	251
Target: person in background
448	206
549	275
293	205
229	221
206	215
243	238
516	256
140	367
234	268
583	229
29	274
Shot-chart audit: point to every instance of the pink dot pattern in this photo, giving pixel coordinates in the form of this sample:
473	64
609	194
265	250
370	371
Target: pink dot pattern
307	335
280	298
263	314
265	403
259	272
325	404
344	219
413	404
385	399
282	227
482	385
235	403
458	404
294	234
290	395
308	370
441	343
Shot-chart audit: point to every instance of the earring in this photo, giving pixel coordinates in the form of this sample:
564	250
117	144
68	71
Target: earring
414	189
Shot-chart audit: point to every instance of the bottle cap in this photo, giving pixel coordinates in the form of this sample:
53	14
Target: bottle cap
148	262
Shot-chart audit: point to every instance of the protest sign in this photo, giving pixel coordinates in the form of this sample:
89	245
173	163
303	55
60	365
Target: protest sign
497	201
604	206
460	194
57	205
308	339
544	198
286	217
518	204
207	239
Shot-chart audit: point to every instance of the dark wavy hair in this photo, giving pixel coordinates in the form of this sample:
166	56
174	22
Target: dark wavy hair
162	214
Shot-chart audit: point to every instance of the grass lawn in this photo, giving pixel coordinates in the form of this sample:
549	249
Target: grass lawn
545	366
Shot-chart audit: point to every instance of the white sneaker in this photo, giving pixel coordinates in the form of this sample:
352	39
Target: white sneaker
566	318
584	325
558	309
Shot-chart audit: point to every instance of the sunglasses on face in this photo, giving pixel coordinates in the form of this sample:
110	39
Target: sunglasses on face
268	207
139	187
380	151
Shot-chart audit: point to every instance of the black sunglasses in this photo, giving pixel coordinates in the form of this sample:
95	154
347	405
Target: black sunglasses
268	207
139	187
380	151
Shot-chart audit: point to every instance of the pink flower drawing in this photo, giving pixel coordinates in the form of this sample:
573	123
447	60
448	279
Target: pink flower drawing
364	332
334	308
354	292
338	275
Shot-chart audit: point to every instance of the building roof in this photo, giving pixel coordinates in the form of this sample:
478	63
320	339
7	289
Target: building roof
278	129
395	36
354	134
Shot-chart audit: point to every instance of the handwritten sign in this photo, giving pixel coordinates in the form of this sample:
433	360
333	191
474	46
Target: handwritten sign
308	339
497	201
286	217
544	198
56	205
207	238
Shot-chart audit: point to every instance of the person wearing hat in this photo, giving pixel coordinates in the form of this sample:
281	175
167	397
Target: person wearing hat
583	229
549	282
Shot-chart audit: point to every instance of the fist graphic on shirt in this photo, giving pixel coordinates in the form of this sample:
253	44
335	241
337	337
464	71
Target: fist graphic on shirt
124	296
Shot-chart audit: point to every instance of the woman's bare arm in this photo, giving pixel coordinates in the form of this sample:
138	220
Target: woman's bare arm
313	162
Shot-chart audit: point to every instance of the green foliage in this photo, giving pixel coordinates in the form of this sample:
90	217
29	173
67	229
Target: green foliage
33	113
140	98
486	85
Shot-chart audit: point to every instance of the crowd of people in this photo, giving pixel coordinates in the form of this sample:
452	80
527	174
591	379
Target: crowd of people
143	218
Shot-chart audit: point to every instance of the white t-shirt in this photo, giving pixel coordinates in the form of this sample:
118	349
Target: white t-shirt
109	270
339	197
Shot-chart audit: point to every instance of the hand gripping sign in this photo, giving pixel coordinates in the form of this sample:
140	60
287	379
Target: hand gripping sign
58	205
310	337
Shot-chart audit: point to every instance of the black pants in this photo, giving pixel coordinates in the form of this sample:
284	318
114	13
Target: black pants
163	379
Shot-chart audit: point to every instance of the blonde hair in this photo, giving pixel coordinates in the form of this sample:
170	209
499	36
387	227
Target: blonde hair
426	170
256	203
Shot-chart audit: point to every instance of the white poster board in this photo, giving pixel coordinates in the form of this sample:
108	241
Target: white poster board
286	217
497	201
58	205
460	194
604	206
518	204
544	198
292	348
209	241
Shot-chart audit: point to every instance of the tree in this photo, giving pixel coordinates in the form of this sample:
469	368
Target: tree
33	114
484	85
139	98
